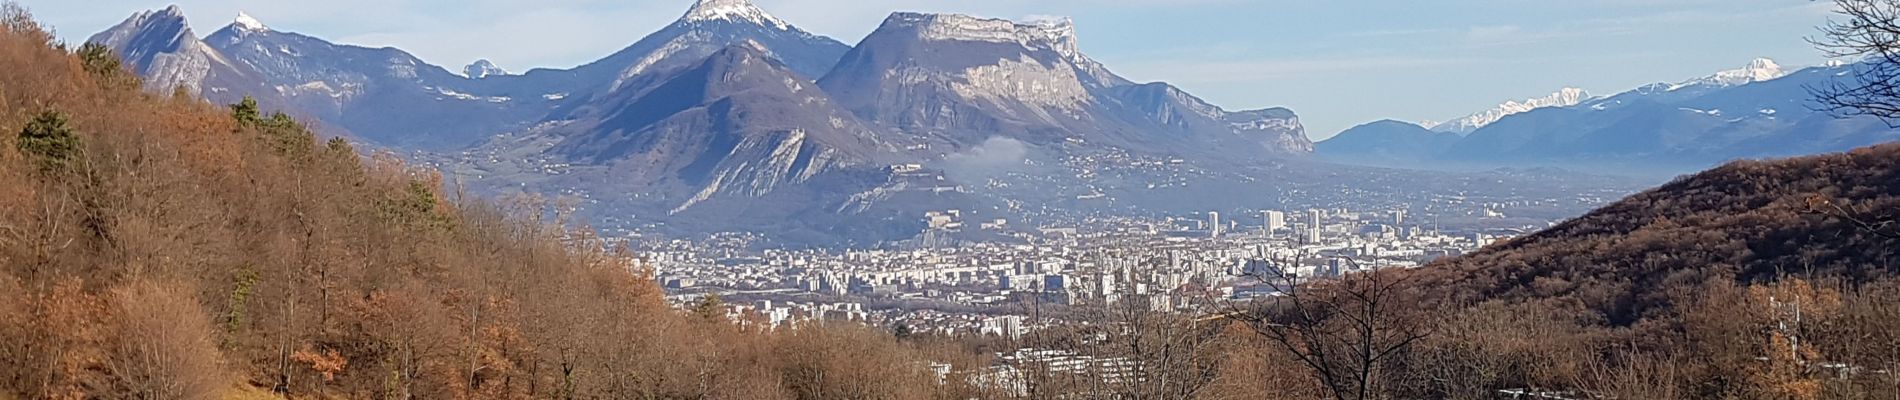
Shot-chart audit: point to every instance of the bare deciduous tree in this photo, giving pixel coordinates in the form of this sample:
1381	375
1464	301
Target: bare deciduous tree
162	348
1883	226
1868	30
1344	330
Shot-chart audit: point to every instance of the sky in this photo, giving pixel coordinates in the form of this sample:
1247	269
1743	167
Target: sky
1335	63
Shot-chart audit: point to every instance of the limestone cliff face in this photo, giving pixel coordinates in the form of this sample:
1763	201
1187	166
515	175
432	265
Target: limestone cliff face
966	79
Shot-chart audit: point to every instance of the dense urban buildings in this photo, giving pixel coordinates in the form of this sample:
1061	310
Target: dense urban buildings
992	288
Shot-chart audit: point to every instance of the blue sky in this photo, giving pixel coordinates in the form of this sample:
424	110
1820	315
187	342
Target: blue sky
1336	63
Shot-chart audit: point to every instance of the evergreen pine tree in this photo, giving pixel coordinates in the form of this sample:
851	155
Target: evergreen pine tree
337	145
286	135
51	140
246	112
710	308
98	59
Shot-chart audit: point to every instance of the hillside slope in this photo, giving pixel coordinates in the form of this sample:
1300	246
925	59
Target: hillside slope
158	246
1746	281
1385	141
1750	220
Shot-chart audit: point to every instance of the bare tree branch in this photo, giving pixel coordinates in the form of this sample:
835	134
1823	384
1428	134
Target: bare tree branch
1867	30
1344	330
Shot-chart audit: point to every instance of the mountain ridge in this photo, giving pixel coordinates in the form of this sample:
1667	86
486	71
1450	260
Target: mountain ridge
731	110
1755	111
1744	221
160	46
1384	142
1565	97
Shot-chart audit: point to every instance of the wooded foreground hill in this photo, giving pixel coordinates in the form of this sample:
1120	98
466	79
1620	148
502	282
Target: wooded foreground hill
1752	221
1757	279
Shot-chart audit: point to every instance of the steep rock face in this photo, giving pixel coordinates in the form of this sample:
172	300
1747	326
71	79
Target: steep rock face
1168	106
963	79
1272	130
740	123
963	75
1278	129
160	47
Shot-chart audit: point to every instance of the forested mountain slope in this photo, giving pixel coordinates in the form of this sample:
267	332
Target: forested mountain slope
1757	279
1750	220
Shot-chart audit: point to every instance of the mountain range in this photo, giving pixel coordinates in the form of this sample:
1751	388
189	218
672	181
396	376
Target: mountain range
730	118
1757	111
726	109
1562	98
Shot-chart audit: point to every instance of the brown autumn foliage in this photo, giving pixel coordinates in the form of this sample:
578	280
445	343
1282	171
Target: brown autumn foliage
1759	279
161	346
189	250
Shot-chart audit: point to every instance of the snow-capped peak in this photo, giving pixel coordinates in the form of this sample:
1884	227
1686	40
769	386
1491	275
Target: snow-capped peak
246	23
732	11
1757	70
482	69
1565	97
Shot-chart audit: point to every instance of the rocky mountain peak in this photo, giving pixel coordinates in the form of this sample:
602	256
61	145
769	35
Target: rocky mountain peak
732	11
167	24
1055	33
483	69
169	11
246	23
1565	97
1757	70
160	46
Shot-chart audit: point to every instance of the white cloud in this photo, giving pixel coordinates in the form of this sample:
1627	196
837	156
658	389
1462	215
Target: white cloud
994	157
